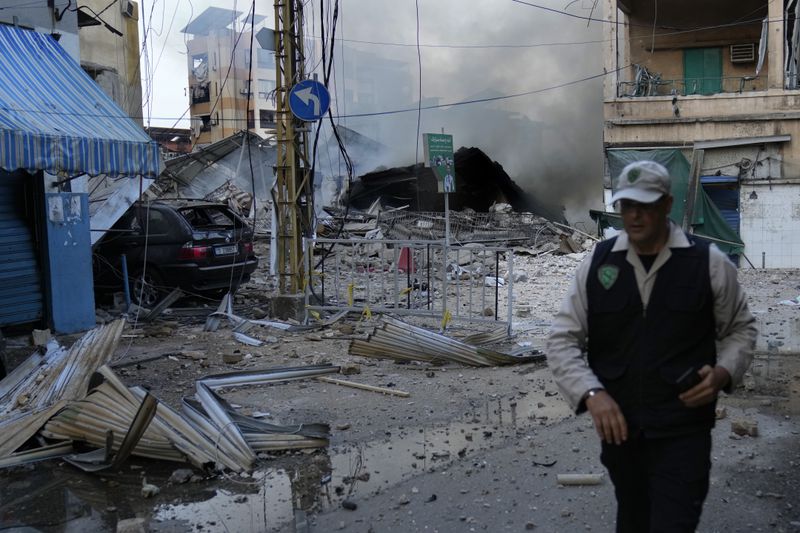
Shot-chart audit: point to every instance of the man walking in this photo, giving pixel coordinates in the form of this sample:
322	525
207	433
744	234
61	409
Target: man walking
654	325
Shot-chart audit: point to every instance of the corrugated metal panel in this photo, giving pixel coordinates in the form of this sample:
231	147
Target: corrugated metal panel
20	277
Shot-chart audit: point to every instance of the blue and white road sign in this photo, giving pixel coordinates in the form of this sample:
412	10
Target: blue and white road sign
309	100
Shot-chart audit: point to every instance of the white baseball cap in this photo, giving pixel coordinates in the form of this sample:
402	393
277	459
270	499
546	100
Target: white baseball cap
642	181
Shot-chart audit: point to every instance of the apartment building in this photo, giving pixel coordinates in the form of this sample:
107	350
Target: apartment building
109	43
224	99
712	88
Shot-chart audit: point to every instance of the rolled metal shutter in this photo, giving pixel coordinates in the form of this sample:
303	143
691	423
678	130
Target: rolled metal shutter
21	298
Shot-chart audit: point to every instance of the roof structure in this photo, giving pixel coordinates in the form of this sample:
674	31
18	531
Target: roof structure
213	18
54	117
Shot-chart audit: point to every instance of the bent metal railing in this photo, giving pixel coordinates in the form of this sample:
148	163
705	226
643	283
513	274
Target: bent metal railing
653	85
410	277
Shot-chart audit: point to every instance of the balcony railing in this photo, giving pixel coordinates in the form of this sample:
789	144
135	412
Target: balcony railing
647	84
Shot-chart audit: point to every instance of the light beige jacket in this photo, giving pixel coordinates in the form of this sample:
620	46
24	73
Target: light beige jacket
735	326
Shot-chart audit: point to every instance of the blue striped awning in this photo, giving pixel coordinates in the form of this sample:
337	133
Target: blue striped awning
54	117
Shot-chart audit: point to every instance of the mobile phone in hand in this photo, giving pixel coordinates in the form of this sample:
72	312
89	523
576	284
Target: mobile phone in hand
687	380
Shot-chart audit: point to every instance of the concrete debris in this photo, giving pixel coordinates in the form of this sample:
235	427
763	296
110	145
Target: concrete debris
149	490
181	476
744	427
579	479
41	337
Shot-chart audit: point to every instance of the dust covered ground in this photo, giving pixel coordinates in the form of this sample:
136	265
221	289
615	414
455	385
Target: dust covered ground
471	449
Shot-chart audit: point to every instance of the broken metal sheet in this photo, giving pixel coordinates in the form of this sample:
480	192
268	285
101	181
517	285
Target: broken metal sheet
18	375
16	430
208	432
227	427
301	435
64	374
258	377
225	308
489	337
104	459
246	339
395	339
53	451
159	308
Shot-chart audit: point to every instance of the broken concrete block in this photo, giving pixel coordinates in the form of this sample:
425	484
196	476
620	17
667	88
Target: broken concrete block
232	358
181	476
149	490
349	370
744	427
41	337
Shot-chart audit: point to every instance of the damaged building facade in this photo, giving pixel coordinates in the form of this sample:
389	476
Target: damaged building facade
714	85
223	98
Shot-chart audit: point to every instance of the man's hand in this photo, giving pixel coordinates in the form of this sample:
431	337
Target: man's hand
714	379
608	419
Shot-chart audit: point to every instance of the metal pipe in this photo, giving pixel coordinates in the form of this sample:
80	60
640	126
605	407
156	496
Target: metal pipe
125	285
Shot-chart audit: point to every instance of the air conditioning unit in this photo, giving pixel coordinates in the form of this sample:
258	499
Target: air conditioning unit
743	53
128	9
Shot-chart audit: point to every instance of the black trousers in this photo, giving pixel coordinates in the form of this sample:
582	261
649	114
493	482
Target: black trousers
660	483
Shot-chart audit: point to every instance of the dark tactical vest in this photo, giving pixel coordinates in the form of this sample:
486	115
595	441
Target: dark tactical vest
638	354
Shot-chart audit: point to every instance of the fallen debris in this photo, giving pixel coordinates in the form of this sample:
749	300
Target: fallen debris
397	340
362	386
744	427
41	387
209	431
159	308
579	479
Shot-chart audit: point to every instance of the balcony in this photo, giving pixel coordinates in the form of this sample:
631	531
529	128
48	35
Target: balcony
647	83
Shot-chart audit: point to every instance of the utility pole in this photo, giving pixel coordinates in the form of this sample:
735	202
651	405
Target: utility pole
294	195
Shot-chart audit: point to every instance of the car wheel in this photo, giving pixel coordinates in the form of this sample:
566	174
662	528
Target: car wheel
147	288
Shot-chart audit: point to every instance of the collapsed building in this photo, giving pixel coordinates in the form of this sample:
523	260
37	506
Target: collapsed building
480	183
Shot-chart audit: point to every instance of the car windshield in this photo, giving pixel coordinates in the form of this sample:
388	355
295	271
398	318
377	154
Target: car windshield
210	216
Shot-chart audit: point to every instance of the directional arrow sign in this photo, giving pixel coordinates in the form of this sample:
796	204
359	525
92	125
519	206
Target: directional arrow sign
309	100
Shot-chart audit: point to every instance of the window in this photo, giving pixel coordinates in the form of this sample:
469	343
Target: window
251	120
200	67
266	119
205	122
702	70
199	93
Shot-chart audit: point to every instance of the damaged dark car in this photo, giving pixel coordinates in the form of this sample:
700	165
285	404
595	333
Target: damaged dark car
200	247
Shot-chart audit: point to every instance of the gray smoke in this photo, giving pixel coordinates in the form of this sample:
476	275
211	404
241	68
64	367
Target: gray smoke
550	143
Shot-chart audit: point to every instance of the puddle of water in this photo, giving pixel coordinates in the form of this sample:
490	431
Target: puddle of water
267	500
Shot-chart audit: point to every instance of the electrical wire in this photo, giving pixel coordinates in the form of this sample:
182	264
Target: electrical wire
224	82
379	113
629	24
490	99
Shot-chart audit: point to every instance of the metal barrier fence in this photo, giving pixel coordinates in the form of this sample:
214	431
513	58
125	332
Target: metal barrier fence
406	277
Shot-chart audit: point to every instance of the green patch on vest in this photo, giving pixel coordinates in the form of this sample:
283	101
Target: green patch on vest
607	274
